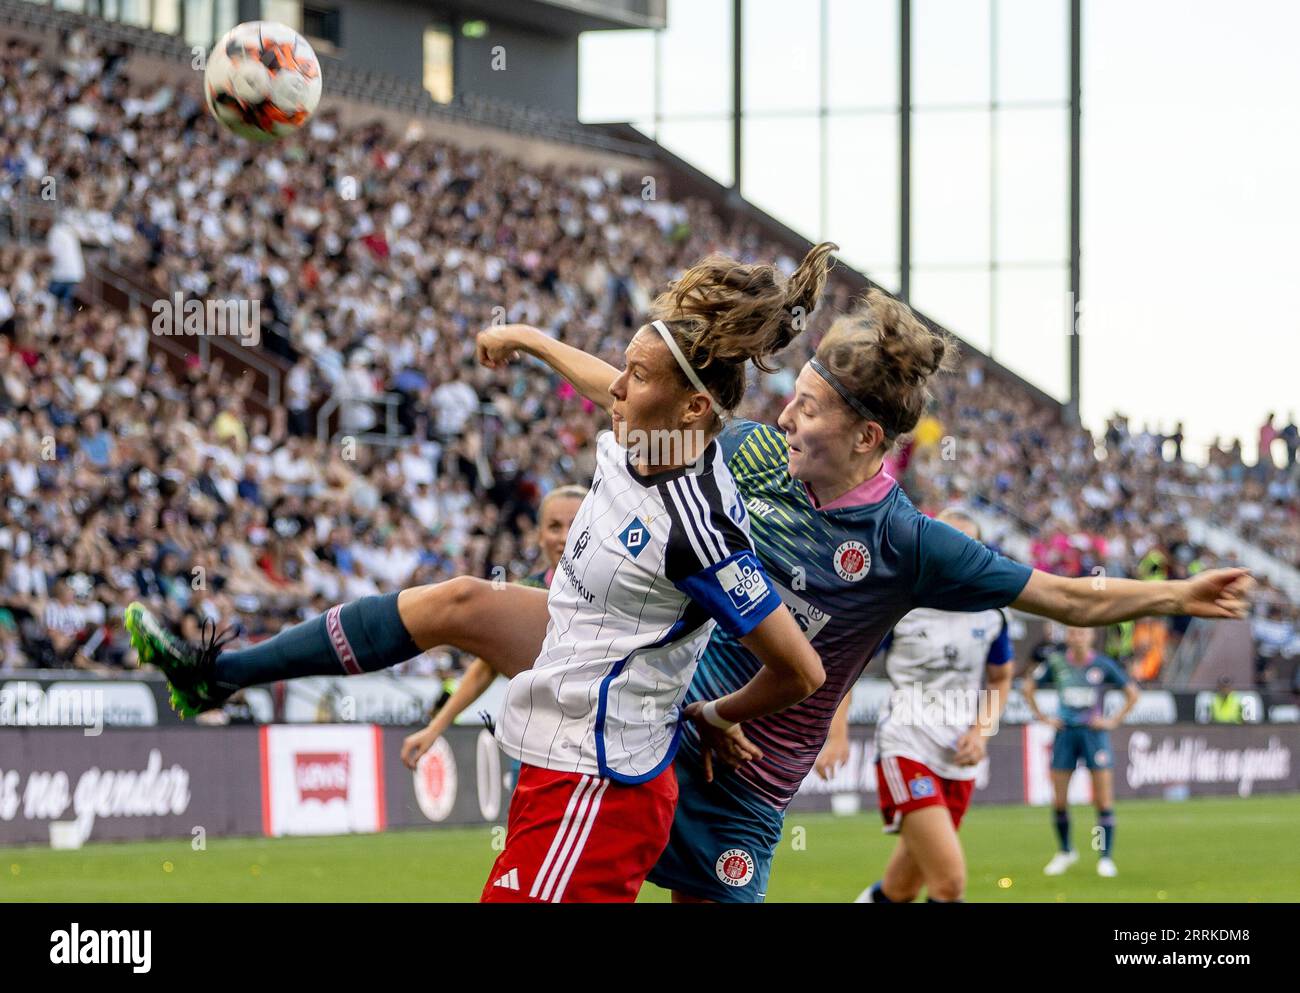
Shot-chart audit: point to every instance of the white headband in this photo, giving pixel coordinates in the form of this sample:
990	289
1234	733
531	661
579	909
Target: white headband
691	374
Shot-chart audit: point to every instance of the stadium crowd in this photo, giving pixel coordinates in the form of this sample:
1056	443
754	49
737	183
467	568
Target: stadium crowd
1114	505
374	258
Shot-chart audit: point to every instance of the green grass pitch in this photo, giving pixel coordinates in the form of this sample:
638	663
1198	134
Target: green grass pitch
1200	850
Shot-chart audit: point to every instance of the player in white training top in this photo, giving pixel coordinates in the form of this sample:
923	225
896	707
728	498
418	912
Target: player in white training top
658	554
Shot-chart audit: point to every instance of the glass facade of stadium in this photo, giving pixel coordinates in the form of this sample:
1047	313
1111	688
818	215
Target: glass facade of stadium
931	139
201	21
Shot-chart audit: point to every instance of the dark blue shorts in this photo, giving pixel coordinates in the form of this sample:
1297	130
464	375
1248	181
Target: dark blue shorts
722	841
1075	743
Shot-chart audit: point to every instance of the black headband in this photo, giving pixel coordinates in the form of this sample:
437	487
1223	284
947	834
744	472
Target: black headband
847	396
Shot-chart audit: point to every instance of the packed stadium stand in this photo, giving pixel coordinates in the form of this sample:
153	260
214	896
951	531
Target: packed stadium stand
222	482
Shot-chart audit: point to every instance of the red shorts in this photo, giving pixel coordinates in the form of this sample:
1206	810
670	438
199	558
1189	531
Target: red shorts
906	785
573	838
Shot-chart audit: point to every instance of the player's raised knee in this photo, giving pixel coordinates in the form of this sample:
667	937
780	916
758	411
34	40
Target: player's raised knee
450	594
463	592
438	612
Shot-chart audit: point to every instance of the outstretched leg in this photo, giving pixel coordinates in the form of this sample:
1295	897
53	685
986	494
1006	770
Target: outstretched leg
503	623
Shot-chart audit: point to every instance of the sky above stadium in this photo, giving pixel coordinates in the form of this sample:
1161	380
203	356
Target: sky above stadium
1191	207
1192	213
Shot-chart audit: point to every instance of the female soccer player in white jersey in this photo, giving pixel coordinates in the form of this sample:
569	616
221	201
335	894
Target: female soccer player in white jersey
658	554
850	553
932	737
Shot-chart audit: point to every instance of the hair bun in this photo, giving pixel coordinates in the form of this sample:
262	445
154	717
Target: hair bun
886	355
728	311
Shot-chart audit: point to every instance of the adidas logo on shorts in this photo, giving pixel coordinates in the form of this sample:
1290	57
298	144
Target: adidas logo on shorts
510	881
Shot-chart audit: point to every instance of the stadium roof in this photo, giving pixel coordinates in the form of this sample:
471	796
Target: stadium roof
568	17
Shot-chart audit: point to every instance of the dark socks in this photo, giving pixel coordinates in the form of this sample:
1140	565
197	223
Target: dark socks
362	636
1062	823
1106	821
878	894
931	899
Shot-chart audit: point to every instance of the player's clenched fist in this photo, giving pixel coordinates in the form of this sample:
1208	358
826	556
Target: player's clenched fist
498	346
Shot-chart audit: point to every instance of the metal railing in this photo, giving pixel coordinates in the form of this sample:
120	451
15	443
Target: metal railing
392	436
101	275
1191	650
18	214
980	499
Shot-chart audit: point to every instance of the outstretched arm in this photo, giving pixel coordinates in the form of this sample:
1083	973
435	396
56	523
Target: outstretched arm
1095	601
589	375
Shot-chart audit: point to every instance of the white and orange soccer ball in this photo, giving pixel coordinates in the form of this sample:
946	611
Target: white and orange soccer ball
262	80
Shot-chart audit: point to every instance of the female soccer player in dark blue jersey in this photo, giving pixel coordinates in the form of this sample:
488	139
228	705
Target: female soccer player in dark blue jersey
1081	677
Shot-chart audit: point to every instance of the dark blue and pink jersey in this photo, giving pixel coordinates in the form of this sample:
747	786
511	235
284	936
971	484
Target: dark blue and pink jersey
1081	687
849	571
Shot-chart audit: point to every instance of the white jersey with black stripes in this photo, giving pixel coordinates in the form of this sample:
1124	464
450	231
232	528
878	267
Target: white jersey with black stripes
652	562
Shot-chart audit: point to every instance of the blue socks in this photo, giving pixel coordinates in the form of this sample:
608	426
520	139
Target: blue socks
346	640
1106	821
1062	823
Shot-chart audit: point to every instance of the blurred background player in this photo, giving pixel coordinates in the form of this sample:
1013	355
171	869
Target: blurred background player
554	518
932	737
1081	676
1227	704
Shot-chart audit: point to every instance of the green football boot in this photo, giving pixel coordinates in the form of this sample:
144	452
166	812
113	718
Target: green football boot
188	666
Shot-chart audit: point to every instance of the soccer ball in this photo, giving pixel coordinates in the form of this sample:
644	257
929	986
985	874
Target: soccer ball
262	80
